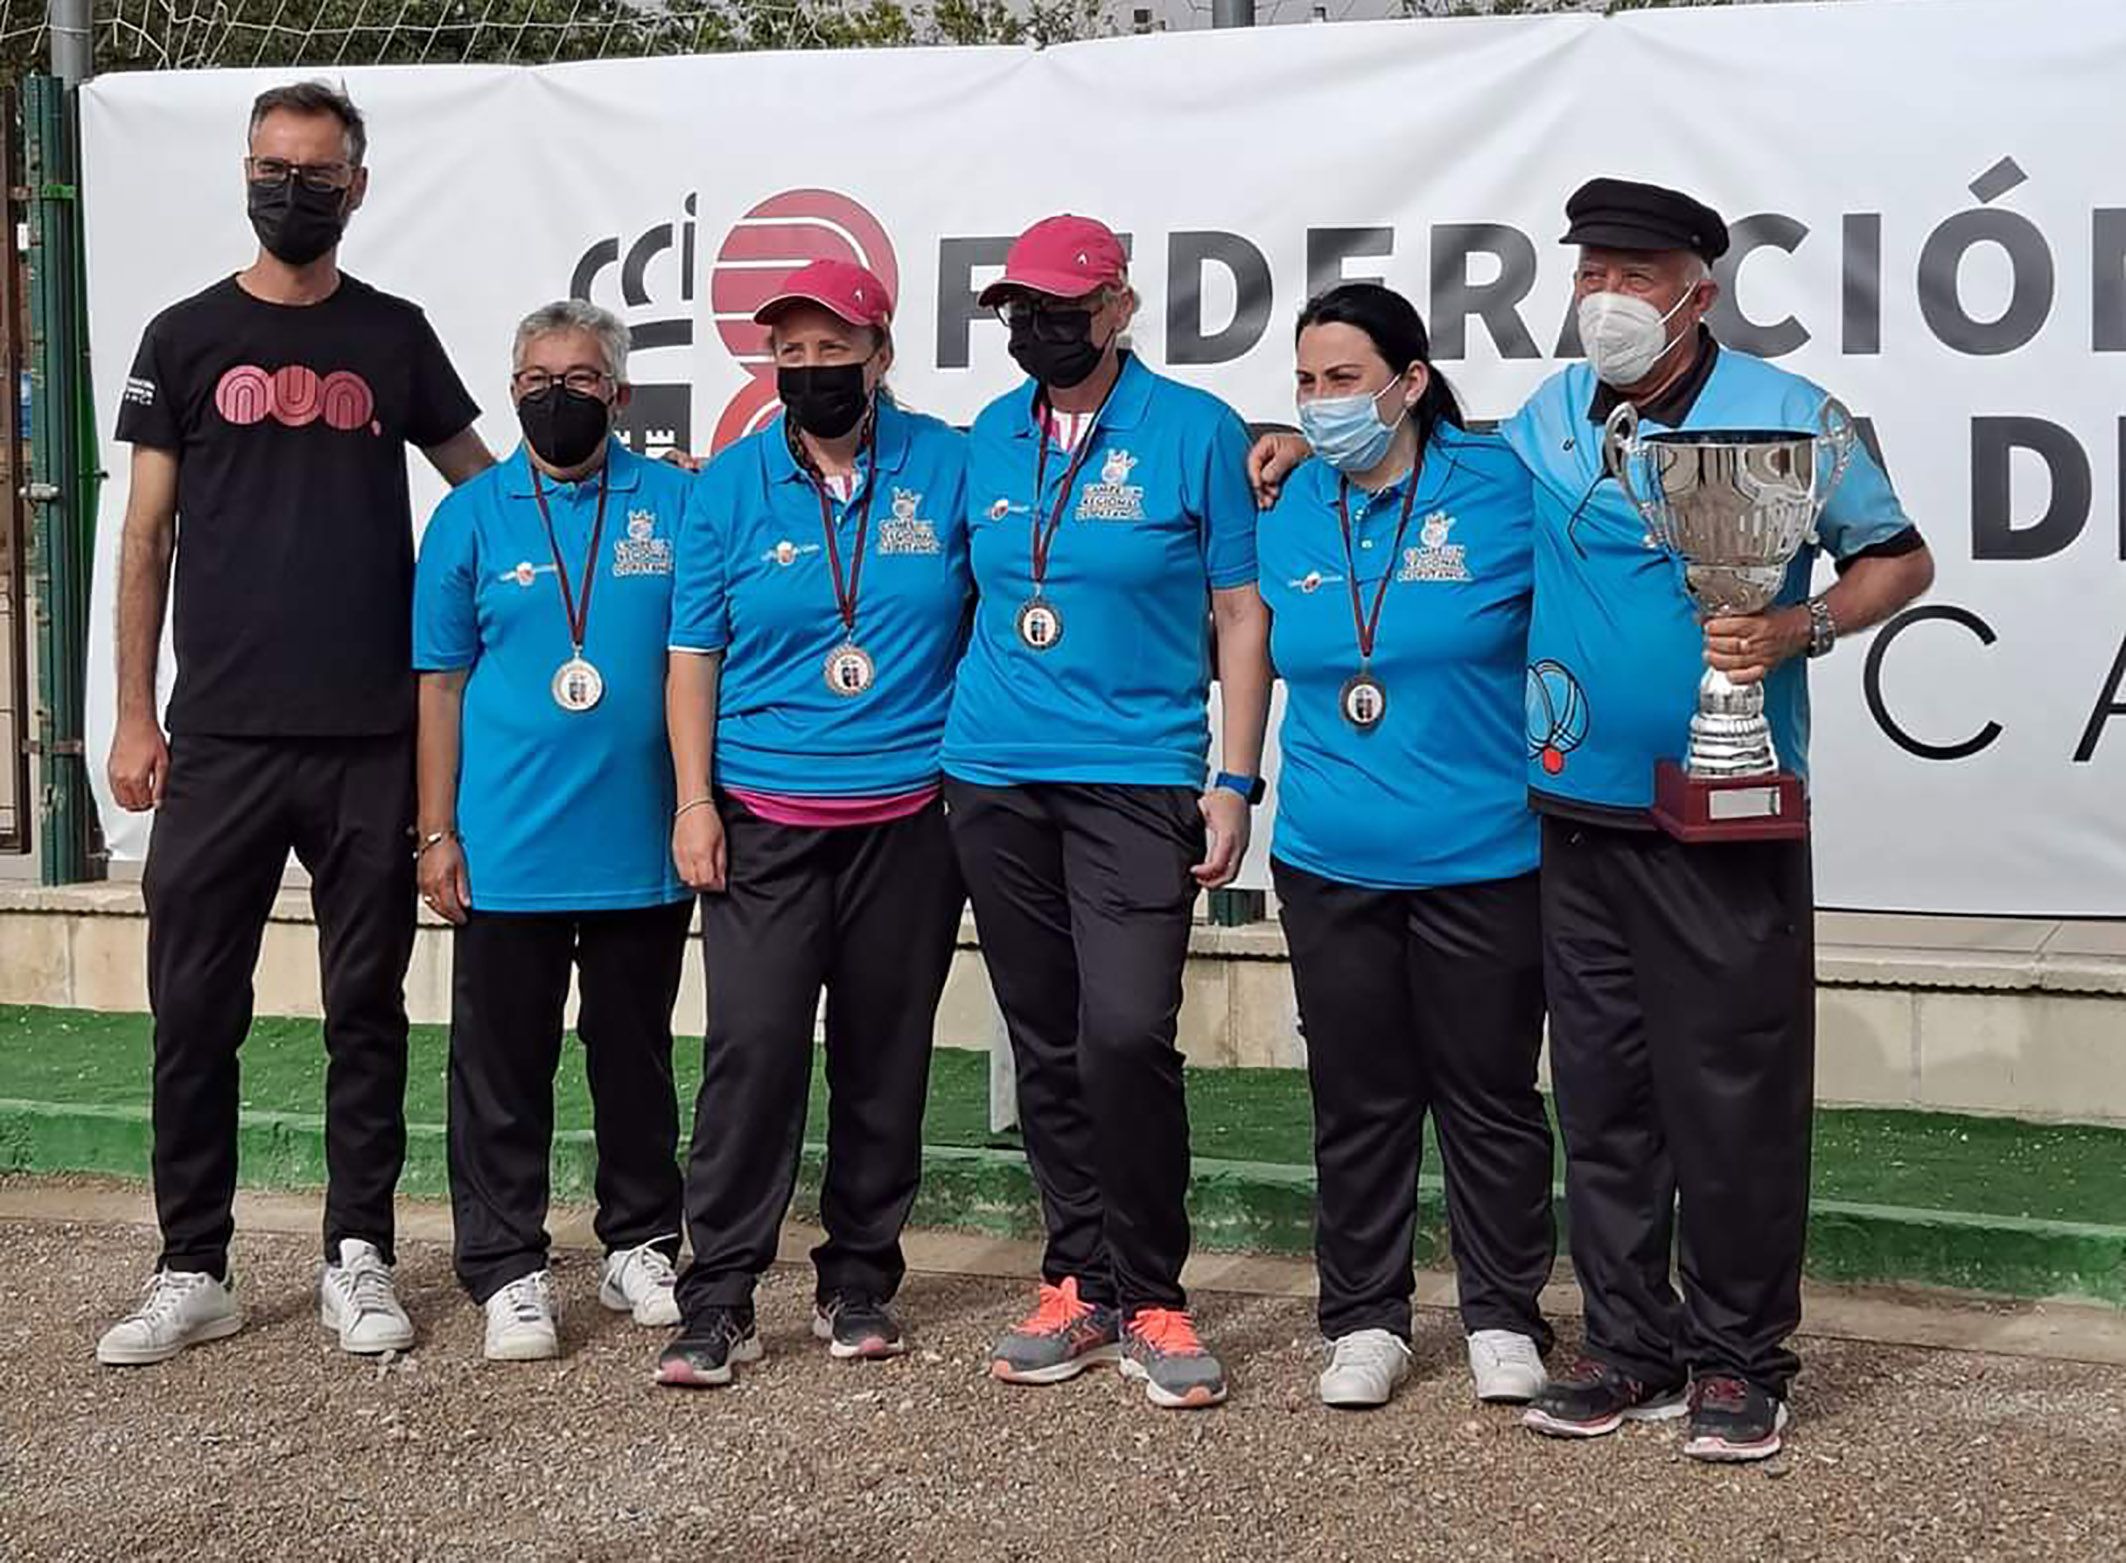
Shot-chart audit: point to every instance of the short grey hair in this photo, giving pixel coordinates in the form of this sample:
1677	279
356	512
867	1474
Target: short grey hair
576	314
316	97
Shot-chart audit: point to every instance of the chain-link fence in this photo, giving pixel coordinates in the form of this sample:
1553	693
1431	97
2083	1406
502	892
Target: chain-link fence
194	34
190	34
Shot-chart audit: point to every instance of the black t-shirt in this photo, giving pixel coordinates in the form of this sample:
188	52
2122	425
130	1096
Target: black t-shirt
294	590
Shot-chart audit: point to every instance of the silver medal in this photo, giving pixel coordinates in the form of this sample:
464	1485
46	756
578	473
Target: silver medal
1040	626
577	685
849	670
1363	701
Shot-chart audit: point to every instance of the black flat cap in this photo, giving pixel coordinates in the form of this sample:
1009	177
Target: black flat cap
1623	214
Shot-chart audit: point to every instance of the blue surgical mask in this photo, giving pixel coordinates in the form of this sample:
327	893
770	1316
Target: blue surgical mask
1347	431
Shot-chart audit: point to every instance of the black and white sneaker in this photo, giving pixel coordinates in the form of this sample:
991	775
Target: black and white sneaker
706	1351
1592	1398
857	1327
1732	1420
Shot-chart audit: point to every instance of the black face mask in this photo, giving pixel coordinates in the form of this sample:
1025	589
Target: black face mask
564	428
825	400
1056	346
295	223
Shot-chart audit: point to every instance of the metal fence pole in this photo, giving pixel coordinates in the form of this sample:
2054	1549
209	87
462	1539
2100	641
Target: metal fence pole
1232	13
73	49
62	474
15	732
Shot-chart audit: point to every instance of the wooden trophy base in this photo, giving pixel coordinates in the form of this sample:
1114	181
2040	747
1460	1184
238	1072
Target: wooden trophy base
1729	808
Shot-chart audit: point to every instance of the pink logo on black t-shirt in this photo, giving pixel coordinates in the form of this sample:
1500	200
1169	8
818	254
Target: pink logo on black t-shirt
295	396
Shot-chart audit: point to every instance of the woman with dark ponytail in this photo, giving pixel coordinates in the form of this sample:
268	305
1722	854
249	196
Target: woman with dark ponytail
1397	567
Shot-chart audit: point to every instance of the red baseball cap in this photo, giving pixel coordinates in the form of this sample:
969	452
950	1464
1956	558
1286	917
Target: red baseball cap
1064	257
841	287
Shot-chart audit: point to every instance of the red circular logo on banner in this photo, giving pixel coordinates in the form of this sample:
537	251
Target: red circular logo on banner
769	242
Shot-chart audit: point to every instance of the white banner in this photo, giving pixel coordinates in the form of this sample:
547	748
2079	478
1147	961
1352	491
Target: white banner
1930	219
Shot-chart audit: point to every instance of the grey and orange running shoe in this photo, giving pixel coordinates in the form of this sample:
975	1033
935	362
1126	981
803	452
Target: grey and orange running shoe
1061	1338
1159	1346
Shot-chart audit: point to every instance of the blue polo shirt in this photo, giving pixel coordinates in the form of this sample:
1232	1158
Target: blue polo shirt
1160	515
1615	648
756	583
557	810
1436	793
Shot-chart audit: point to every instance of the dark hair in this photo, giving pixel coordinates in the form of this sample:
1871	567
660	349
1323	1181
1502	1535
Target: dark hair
1392	323
316	97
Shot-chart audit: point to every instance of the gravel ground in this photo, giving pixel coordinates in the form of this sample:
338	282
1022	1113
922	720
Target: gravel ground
274	1445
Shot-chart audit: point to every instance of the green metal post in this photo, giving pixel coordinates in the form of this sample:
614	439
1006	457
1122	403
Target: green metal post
63	477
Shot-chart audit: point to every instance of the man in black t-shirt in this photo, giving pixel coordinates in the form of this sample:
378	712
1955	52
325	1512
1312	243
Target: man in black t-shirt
269	417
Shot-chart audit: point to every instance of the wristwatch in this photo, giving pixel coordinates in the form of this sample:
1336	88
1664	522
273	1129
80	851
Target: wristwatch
1249	787
1823	629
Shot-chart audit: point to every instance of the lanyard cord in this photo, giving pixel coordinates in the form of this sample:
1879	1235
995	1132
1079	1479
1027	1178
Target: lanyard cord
579	617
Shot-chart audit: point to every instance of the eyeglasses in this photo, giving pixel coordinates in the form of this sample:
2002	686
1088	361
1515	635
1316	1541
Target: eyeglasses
584	382
274	172
1049	319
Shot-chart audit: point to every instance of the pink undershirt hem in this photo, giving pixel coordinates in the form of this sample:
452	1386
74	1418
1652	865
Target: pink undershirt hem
782	808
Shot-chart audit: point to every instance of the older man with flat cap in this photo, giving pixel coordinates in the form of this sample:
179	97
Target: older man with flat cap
1680	975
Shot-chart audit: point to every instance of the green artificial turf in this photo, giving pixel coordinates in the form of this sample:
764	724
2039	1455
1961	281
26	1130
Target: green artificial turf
1916	1160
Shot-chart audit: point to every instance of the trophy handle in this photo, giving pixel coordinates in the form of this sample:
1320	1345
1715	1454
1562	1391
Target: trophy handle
1620	443
1840	433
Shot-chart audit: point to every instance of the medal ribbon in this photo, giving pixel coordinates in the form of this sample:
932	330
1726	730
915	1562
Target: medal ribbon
579	617
1044	534
867	473
1368	624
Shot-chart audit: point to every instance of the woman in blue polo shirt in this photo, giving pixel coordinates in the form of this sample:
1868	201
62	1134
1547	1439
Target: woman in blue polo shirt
820	608
541	605
1397	566
1110	521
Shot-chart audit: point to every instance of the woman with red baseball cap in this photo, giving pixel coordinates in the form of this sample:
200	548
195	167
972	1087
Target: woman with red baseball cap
818	611
1110	523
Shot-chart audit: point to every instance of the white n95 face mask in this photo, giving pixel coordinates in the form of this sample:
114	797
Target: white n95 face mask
1624	337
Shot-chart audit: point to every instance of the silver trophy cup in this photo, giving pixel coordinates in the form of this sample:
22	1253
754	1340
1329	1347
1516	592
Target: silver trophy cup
1735	505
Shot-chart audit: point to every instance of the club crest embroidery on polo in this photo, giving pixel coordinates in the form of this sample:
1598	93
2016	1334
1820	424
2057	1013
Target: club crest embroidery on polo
524	572
999	508
1435	559
1114	497
1312	582
642	552
905	532
787	553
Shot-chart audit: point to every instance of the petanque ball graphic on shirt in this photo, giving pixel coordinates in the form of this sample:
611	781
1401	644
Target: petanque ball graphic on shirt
777	236
1556	715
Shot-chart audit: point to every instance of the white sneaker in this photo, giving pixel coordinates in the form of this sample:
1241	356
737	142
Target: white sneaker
1364	1368
358	1300
179	1308
524	1321
1507	1367
639	1281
